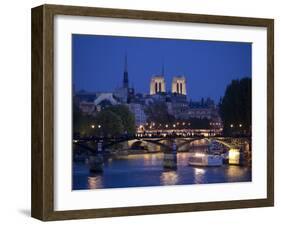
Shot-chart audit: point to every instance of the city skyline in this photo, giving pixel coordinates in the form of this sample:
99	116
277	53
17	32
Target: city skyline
123	138
97	59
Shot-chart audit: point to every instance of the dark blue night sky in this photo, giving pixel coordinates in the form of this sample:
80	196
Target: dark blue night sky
98	63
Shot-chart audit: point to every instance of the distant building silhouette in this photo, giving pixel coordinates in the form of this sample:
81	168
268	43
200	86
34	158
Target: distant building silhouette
126	76
124	93
176	100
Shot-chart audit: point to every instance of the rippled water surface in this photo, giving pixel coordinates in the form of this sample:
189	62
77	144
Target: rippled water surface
147	170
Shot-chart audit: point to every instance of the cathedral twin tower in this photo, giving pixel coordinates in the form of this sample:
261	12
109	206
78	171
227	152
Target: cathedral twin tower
157	85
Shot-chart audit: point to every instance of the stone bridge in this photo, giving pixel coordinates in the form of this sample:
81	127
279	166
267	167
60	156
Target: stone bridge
155	143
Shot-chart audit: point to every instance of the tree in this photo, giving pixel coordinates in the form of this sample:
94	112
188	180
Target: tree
199	123
236	107
112	121
158	112
81	123
107	123
127	118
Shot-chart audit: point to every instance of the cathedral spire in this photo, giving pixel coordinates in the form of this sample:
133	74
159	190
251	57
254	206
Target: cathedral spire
126	63
125	76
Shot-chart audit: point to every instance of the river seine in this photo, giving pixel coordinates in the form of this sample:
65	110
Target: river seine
147	170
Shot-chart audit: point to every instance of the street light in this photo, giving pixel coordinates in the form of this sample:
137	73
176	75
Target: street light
166	126
93	126
174	125
240	125
231	125
99	126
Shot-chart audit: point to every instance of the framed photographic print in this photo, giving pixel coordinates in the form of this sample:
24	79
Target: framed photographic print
141	112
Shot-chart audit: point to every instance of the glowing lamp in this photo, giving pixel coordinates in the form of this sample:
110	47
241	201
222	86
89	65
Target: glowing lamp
234	156
199	155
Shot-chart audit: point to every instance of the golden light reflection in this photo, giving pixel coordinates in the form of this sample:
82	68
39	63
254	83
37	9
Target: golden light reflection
234	172
199	171
169	178
151	159
199	175
94	182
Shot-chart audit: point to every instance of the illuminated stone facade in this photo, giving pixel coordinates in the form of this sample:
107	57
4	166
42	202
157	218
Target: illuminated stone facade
157	85
179	85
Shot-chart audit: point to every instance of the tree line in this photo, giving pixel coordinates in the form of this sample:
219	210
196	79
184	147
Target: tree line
112	121
236	107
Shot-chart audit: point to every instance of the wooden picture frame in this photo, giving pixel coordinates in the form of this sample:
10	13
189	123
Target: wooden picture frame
43	108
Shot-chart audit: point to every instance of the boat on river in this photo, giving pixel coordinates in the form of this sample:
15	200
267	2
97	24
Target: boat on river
215	148
203	159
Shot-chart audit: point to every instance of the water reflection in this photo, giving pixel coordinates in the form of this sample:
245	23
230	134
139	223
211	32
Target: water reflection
235	172
170	161
199	174
95	182
150	159
148	170
169	178
182	159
